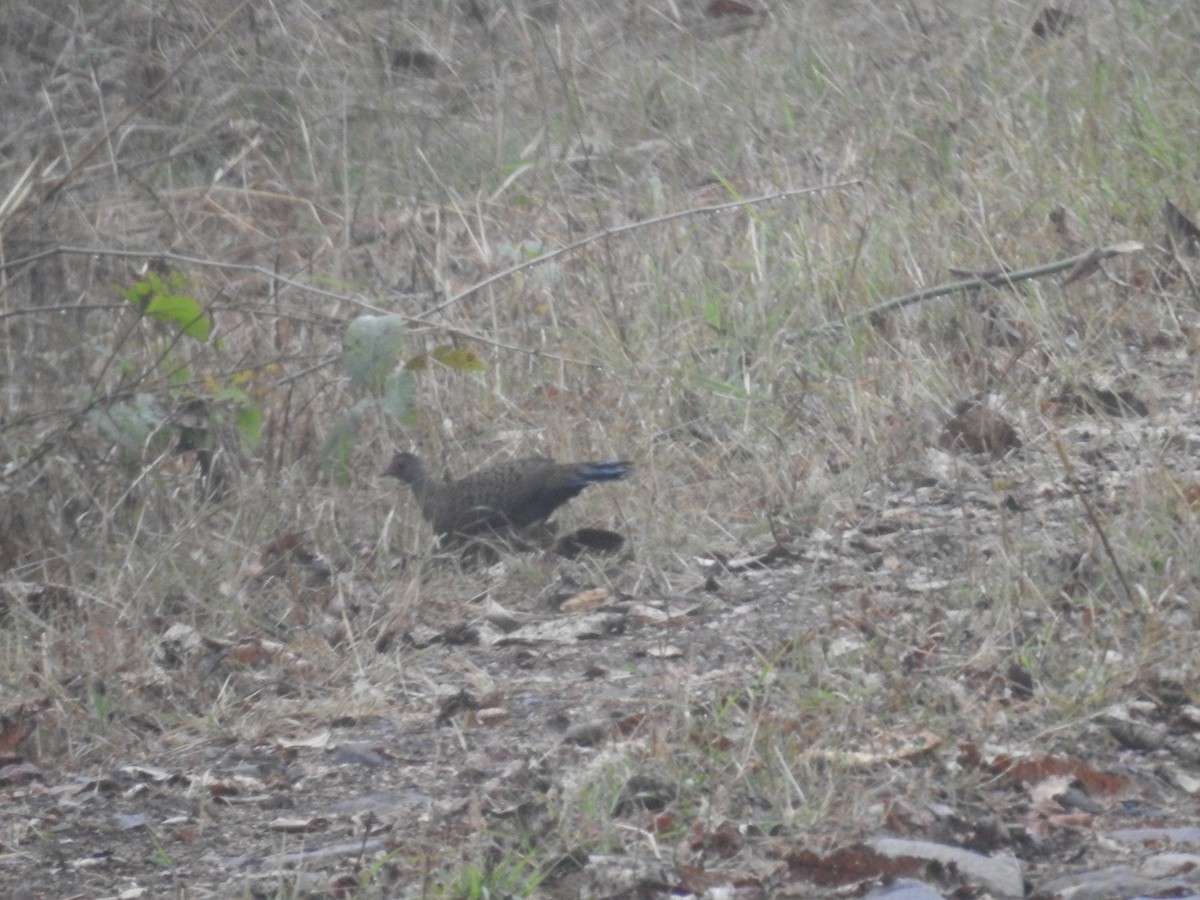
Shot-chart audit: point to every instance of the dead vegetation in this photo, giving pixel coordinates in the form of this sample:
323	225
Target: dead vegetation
887	566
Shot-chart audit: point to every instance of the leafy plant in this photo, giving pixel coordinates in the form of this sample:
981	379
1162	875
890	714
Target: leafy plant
189	410
164	299
372	352
134	425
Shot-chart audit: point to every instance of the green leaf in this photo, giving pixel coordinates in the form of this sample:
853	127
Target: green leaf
165	300
398	395
134	424
459	358
249	425
247	414
722	388
372	350
184	312
339	446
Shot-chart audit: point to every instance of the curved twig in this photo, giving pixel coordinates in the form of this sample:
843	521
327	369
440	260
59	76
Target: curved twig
632	226
1091	258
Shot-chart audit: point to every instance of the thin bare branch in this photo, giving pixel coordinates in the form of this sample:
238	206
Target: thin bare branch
970	284
633	226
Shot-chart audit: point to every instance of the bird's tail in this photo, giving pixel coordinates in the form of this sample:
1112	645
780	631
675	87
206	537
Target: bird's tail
611	470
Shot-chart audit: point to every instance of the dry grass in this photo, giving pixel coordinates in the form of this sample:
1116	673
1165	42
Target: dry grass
311	181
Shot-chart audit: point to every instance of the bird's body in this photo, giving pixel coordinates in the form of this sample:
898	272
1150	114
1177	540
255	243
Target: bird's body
511	495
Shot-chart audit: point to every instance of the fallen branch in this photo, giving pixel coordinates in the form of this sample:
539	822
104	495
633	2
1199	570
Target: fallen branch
1084	261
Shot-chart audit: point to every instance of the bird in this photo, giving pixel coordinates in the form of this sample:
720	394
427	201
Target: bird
511	495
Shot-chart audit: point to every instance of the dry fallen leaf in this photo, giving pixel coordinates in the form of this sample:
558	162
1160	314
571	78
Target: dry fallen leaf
18	722
586	600
728	8
977	428
298	825
1052	22
1088	265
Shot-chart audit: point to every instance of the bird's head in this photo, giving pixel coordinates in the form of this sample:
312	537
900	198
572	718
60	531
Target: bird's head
405	466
